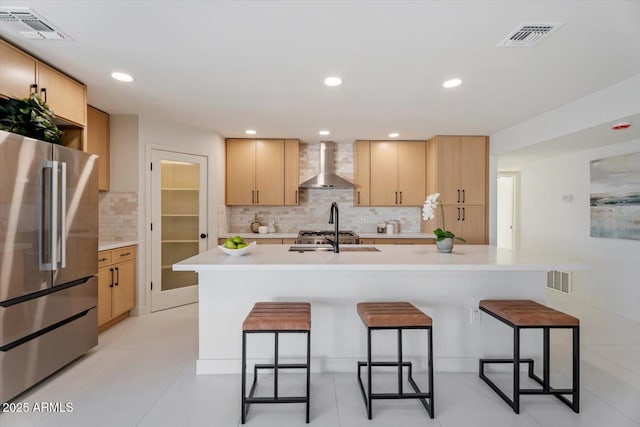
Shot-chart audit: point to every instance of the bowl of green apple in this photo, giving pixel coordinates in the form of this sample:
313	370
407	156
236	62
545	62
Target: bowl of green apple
235	246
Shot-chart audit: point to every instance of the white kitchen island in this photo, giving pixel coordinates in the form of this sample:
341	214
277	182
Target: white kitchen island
445	286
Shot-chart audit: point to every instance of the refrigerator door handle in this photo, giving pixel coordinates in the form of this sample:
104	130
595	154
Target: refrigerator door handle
63	215
49	205
42	221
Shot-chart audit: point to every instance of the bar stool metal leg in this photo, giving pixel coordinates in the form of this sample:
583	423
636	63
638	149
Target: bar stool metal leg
244	376
369	386
516	370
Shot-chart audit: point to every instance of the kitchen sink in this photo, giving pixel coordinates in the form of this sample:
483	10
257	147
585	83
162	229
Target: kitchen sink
323	248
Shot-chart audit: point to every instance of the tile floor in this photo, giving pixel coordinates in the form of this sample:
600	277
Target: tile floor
143	374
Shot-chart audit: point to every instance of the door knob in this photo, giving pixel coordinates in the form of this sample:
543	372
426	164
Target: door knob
203	236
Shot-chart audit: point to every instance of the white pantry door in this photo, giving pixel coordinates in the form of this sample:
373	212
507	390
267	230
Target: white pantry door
179	225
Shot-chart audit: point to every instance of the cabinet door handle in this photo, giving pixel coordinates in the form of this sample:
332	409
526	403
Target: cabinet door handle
401	197
43	92
126	254
297	197
33	88
204	235
396	197
458	214
458	195
252	197
358	197
463	195
111	285
117	276
463	214
257	196
101	259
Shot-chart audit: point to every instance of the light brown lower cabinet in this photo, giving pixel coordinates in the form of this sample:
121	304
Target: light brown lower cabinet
116	285
397	241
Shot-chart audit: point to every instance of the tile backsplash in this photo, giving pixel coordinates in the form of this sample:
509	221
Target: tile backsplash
118	216
313	211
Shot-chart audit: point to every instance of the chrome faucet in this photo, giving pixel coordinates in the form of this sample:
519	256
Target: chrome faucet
335	243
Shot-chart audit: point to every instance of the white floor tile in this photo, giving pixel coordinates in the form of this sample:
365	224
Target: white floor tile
142	373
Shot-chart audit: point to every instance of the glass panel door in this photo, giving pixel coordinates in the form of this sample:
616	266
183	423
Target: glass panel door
179	225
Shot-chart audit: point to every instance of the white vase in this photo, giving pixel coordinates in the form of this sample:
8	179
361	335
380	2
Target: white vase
445	245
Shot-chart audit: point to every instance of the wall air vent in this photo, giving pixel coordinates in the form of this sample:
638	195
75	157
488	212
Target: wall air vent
559	281
527	35
29	24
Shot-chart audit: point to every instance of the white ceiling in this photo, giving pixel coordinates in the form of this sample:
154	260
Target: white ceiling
232	65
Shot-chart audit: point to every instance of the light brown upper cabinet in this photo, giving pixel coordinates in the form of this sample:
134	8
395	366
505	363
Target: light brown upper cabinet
362	173
255	172
98	143
397	173
22	74
291	172
457	169
17	73
66	97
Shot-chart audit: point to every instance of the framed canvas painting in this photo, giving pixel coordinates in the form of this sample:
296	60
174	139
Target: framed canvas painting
615	197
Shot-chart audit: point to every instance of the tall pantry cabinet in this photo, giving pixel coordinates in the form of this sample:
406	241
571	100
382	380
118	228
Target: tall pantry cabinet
457	168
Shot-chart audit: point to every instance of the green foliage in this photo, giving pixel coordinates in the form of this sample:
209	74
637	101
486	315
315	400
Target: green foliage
443	234
29	117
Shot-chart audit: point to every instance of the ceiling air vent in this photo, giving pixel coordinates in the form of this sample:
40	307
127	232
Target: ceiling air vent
29	24
527	35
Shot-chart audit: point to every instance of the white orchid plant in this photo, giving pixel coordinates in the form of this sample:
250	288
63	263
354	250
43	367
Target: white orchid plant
429	212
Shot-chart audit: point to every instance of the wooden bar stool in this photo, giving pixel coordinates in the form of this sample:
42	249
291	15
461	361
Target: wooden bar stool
398	316
276	318
527	314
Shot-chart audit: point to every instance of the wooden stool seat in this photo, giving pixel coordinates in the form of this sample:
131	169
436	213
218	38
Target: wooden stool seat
278	316
527	313
392	315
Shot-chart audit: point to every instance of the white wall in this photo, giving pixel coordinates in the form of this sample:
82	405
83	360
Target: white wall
123	145
551	225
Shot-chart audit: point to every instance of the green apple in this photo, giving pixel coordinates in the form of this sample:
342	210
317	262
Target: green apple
237	240
229	244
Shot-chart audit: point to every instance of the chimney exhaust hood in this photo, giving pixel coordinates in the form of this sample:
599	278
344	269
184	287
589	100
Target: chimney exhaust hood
327	179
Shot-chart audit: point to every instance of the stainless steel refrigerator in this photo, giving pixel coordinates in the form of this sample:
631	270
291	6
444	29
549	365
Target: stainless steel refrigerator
48	259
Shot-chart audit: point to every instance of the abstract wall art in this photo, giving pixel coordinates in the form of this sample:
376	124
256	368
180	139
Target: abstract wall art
615	197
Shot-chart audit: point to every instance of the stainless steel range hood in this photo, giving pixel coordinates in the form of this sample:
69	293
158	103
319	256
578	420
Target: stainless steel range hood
327	178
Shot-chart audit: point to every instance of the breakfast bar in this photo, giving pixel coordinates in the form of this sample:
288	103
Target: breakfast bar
447	286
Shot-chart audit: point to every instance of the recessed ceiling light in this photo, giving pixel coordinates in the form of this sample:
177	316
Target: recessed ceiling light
333	81
122	77
394	135
250	132
324	132
452	83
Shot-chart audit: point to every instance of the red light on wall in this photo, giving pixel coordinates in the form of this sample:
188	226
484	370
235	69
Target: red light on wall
621	126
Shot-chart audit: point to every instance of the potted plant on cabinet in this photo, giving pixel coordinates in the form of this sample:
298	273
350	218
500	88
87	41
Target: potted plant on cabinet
30	117
444	238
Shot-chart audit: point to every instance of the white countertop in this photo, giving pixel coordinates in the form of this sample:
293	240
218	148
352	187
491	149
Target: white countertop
362	235
390	257
105	246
